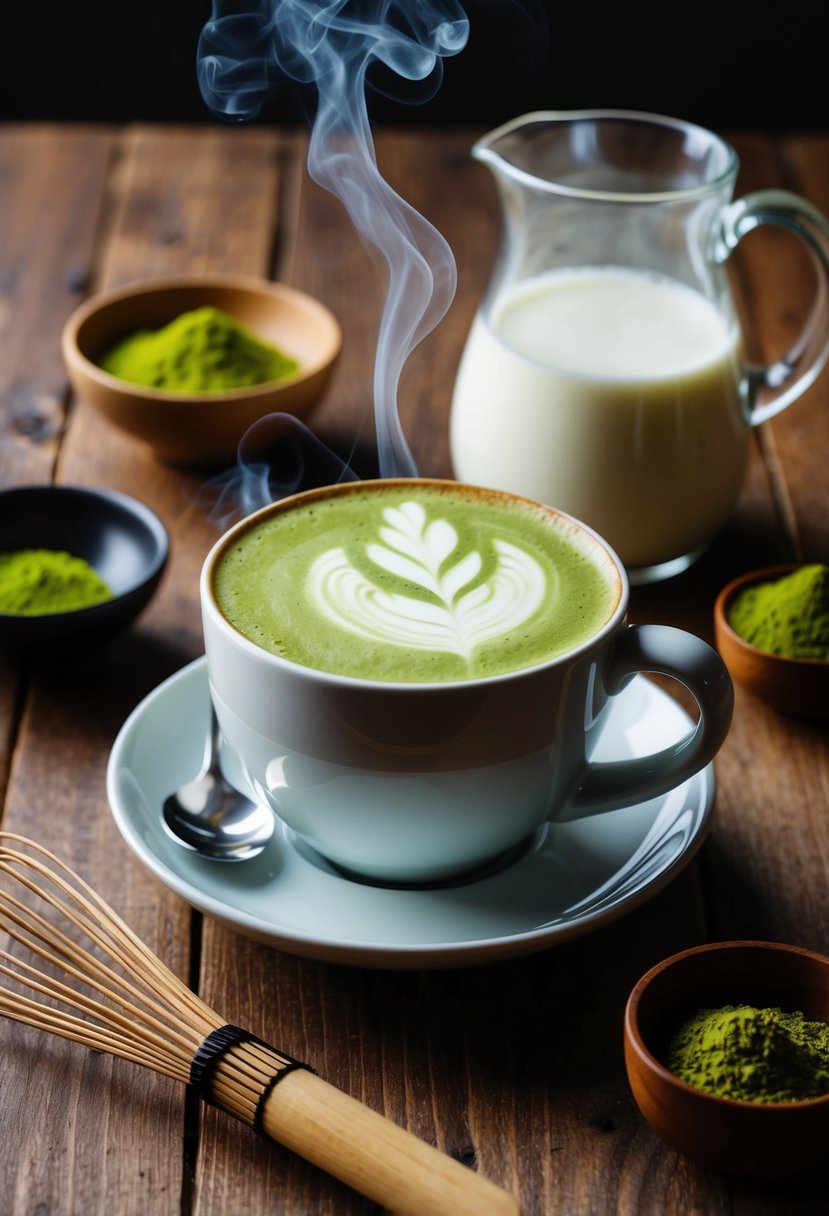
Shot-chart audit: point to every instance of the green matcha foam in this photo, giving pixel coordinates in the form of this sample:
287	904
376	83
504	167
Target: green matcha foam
414	583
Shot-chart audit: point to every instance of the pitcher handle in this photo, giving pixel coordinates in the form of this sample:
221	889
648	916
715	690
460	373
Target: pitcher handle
770	389
686	658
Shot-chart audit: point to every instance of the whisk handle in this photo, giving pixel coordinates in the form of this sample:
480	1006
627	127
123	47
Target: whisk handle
374	1155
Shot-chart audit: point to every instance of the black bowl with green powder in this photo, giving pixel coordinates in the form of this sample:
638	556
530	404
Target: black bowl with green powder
771	627
727	1054
77	565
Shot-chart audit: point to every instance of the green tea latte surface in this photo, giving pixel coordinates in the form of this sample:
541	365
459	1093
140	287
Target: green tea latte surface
413	584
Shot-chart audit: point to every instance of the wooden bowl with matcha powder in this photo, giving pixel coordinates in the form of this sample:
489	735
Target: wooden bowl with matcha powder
188	365
727	1055
771	627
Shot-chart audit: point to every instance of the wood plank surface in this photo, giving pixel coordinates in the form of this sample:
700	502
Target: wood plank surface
515	1068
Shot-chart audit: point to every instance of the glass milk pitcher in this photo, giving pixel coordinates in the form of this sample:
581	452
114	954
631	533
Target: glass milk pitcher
604	373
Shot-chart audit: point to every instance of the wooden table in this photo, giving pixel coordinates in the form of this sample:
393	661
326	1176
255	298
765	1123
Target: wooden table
515	1068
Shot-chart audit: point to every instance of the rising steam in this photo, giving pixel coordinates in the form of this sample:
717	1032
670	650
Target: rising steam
331	44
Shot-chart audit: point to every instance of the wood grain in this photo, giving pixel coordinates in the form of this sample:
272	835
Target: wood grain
515	1068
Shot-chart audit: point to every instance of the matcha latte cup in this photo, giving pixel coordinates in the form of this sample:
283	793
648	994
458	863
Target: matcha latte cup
413	674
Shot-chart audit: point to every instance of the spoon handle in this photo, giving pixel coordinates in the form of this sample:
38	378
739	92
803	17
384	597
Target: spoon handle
212	744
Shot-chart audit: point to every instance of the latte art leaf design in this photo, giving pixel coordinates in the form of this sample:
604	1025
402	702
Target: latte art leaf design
456	616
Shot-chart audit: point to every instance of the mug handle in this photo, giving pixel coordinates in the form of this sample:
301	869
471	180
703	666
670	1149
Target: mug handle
686	658
770	389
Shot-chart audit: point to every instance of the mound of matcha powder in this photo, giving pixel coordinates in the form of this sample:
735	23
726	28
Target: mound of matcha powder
787	617
752	1055
202	351
34	582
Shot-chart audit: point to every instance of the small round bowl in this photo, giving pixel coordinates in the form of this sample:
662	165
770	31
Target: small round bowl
793	686
742	1138
200	428
123	540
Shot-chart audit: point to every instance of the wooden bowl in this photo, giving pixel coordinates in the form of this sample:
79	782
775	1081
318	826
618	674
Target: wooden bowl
200	428
793	686
743	1138
121	538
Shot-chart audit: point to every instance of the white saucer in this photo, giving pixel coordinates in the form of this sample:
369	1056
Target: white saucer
572	879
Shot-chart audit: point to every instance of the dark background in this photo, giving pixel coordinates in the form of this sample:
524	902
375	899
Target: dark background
723	65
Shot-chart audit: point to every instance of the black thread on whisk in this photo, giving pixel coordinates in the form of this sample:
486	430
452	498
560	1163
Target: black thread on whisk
216	1045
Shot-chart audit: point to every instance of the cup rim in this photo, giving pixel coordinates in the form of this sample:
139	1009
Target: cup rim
483	150
210	607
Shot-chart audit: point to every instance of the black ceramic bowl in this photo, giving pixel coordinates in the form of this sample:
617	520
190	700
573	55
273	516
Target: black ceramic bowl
123	540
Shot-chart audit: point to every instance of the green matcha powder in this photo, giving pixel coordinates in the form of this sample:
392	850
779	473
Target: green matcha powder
202	351
35	582
789	617
752	1055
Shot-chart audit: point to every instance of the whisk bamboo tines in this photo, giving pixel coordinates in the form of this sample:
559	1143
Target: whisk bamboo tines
103	987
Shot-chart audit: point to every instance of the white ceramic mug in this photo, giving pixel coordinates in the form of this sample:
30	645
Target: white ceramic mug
421	781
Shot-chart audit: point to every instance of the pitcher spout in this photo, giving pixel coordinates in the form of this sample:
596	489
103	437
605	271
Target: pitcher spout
600	154
505	149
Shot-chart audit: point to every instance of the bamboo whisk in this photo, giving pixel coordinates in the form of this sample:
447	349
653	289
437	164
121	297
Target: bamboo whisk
103	987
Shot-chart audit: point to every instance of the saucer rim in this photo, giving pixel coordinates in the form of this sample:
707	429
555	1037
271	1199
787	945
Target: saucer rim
399	956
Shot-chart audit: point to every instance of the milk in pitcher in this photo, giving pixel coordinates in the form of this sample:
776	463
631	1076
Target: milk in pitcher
612	394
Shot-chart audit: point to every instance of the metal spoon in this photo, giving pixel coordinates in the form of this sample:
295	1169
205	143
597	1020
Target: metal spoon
211	817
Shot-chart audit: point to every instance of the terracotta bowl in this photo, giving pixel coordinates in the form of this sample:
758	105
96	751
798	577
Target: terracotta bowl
121	538
792	686
201	428
742	1138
